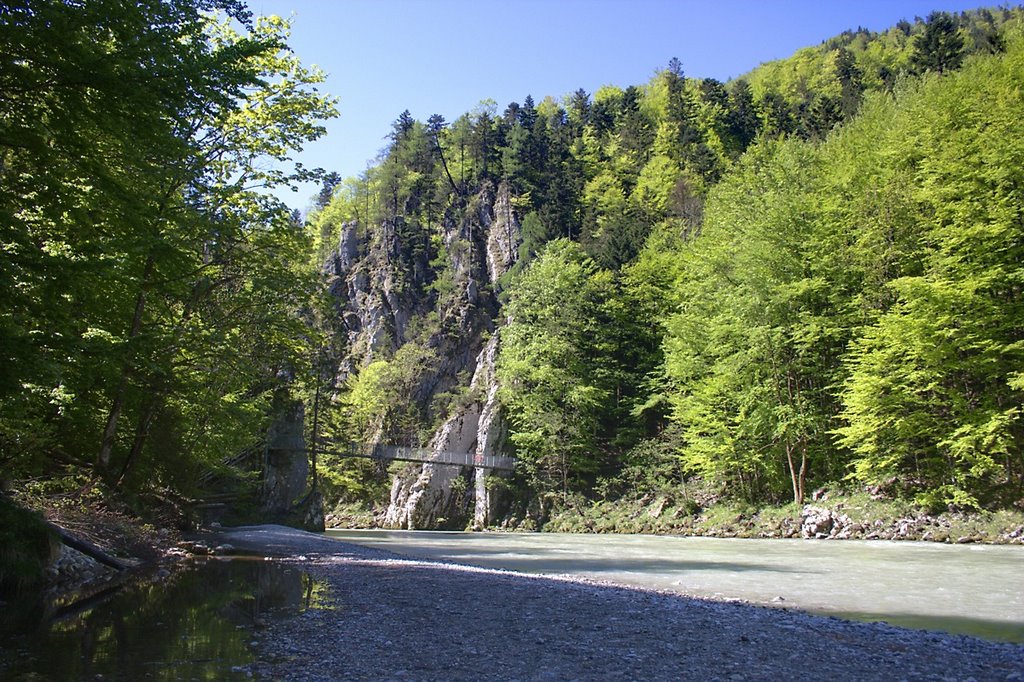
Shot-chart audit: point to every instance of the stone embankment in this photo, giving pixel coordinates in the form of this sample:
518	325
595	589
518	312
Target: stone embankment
72	570
95	550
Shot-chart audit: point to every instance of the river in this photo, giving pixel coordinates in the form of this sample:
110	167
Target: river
199	623
969	589
196	625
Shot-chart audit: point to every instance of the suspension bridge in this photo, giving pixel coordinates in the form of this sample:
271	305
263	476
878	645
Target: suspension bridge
212	505
402	453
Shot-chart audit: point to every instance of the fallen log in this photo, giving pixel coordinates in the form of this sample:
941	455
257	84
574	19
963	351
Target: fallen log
87	548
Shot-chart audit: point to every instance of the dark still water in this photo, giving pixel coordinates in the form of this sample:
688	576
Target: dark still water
195	625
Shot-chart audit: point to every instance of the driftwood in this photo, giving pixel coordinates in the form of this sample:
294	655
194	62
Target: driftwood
87	548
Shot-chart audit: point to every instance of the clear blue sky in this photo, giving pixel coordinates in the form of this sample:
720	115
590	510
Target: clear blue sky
445	56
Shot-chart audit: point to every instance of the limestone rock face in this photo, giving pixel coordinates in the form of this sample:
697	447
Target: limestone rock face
491	432
428	496
348	247
423	498
386	283
285	463
503	236
375	281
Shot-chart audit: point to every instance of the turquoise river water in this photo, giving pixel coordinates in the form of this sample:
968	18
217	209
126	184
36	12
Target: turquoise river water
968	589
199	623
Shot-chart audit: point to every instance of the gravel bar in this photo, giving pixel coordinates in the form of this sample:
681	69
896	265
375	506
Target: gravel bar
390	618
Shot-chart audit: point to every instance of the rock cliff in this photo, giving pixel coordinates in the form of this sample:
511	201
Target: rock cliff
285	465
435	287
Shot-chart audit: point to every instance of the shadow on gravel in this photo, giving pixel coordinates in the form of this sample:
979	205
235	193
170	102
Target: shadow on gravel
420	620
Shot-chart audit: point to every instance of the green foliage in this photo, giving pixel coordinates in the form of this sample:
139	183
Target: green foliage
367	400
931	399
379	402
351	480
549	367
752	348
818	87
151	288
864	284
655	185
568	369
940	47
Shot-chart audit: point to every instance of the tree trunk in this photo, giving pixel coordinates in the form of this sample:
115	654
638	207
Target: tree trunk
110	430
141	432
803	471
794	477
444	164
87	548
316	422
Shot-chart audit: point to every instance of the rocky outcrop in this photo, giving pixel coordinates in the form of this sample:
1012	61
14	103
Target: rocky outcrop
428	497
425	497
286	496
430	493
491	433
821	522
392	284
379	285
503	236
285	464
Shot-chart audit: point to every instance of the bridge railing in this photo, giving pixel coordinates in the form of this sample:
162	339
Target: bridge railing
402	453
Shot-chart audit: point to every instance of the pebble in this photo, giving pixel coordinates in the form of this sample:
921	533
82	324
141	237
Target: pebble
464	623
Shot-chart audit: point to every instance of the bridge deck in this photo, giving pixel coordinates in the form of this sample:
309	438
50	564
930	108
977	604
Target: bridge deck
403	453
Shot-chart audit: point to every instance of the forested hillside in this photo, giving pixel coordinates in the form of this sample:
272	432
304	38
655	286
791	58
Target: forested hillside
807	276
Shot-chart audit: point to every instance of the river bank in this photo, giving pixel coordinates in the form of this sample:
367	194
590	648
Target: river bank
104	544
961	589
388	617
835	516
155	545
379	615
859	516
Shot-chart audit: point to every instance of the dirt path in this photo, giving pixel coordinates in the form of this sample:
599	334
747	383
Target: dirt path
388	618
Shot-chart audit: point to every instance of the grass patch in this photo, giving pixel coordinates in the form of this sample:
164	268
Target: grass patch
351	515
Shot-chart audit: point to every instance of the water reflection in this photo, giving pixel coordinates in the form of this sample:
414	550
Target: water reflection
196	625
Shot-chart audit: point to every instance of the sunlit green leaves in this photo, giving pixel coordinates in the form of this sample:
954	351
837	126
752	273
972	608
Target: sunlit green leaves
145	274
550	364
932	392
